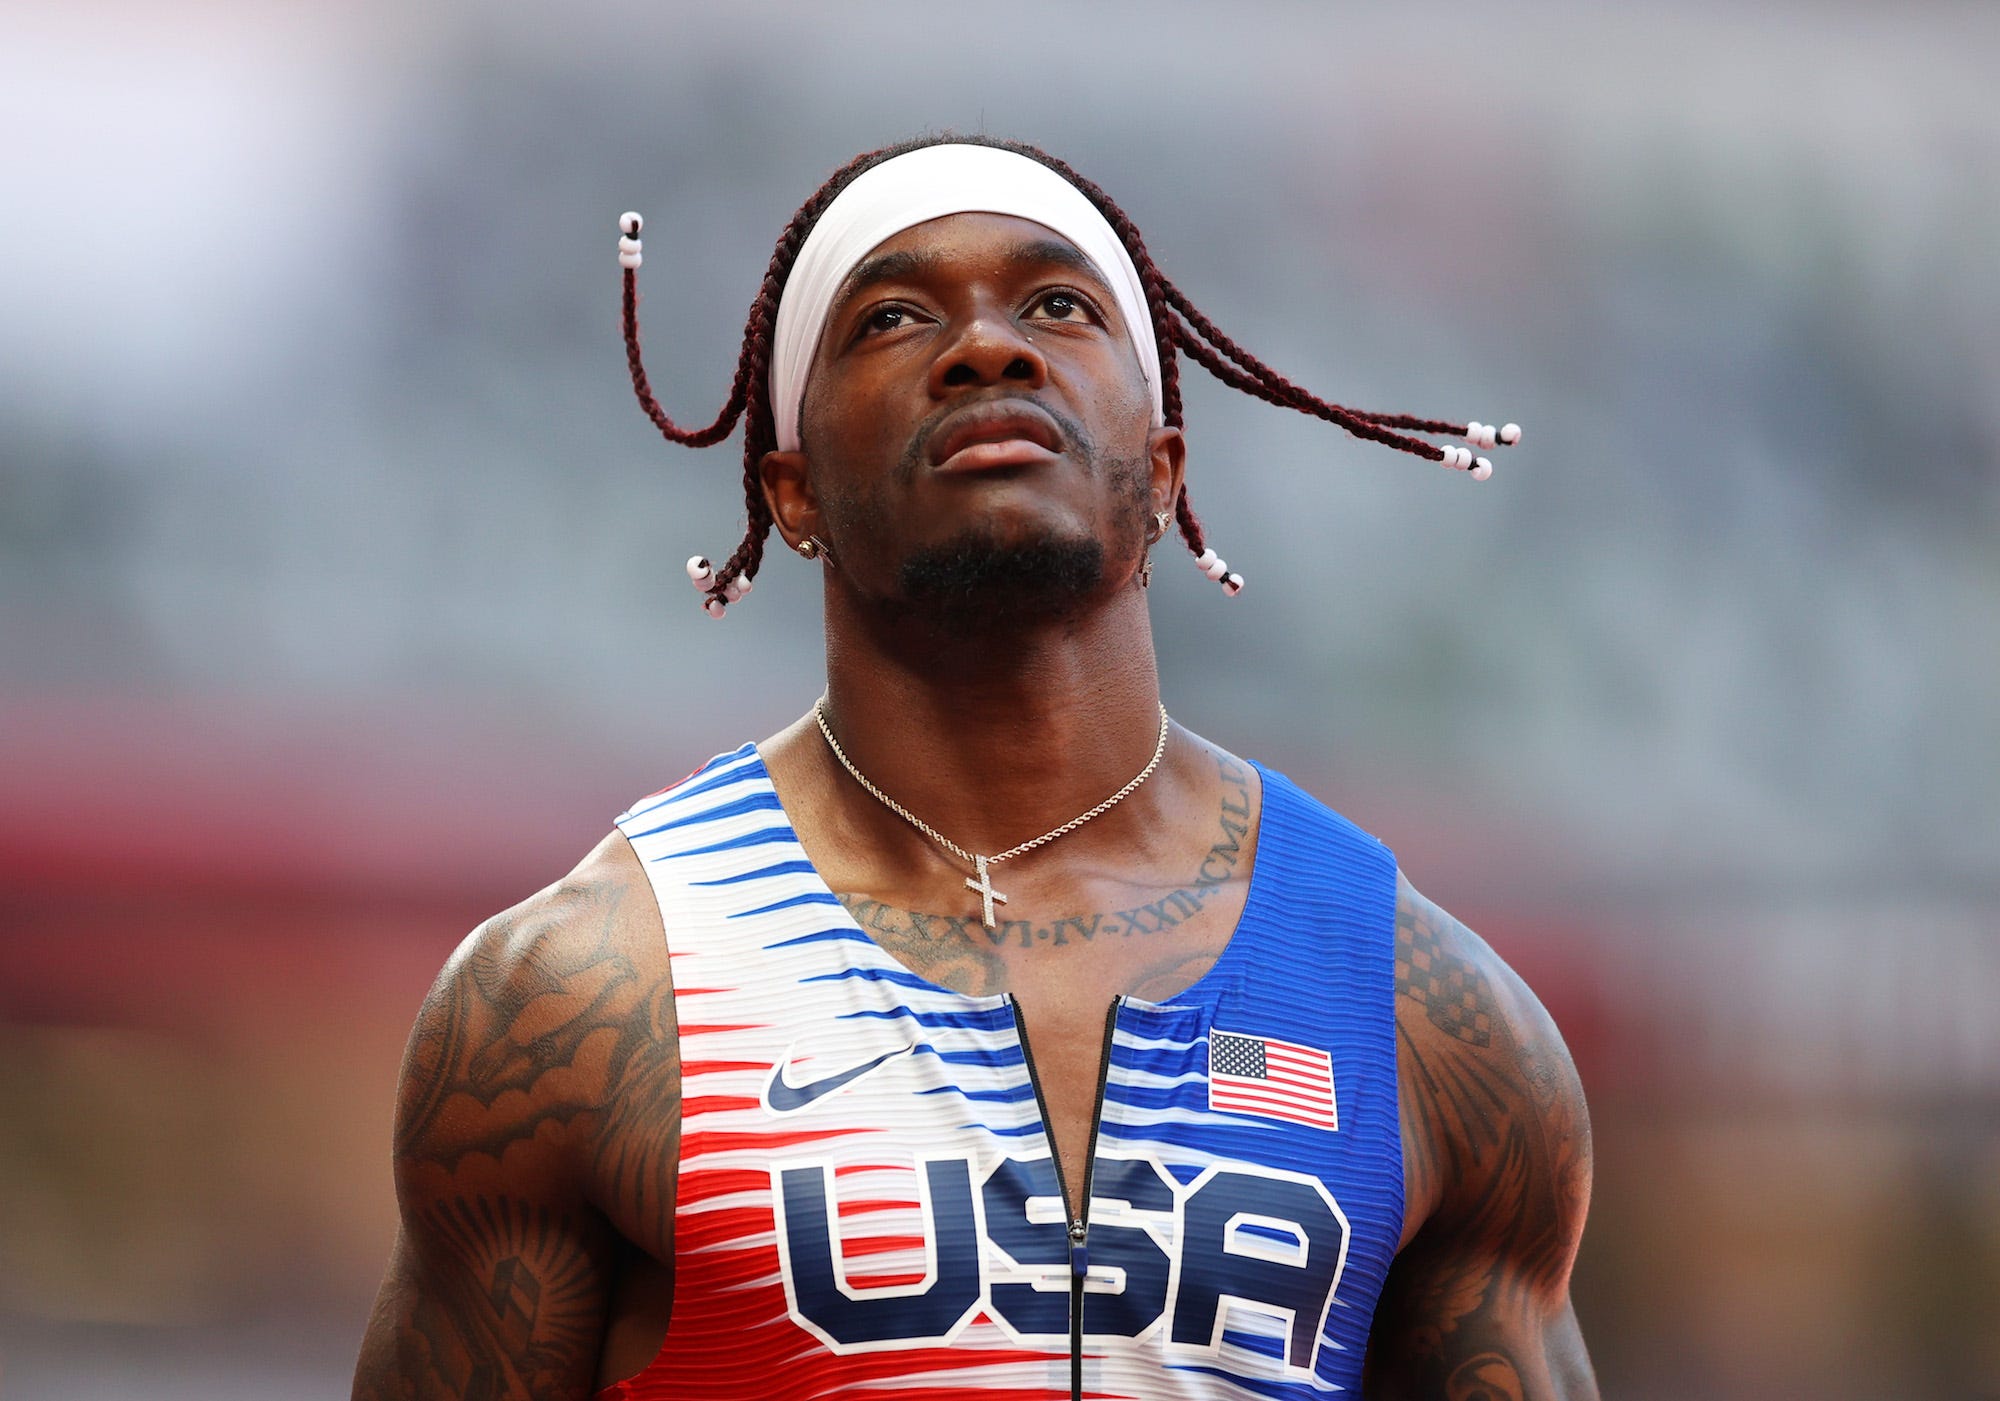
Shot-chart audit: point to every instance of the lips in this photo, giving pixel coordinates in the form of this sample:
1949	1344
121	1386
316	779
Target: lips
1002	425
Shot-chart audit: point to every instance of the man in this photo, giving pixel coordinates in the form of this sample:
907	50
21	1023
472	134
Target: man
982	1031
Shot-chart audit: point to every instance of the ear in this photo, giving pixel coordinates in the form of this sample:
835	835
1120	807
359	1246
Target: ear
1167	450
787	481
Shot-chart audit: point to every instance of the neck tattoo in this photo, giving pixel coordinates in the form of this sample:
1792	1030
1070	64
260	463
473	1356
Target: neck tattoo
960	953
981	881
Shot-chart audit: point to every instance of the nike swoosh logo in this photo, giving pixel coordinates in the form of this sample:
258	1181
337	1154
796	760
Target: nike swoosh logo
783	1097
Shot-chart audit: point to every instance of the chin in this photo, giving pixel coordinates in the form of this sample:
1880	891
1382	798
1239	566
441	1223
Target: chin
980	581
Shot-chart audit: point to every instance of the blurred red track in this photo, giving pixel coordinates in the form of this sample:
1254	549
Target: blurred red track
182	865
101	796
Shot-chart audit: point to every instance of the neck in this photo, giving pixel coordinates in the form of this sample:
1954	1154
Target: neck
994	739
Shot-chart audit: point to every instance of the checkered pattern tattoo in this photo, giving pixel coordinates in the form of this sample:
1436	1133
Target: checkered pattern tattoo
1455	995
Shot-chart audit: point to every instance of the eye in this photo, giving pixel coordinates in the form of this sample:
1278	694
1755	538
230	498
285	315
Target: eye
887	317
1061	305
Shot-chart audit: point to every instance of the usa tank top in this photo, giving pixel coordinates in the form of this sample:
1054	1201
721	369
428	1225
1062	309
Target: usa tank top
867	1202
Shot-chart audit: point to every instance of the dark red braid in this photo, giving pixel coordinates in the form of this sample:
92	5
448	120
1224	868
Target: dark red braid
749	393
732	409
1374	427
1177	325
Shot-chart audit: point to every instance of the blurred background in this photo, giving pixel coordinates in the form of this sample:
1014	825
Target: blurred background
341	600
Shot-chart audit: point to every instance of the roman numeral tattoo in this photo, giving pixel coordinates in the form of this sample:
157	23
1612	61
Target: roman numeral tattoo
960	951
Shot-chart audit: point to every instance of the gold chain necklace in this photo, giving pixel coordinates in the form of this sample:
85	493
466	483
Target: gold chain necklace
982	882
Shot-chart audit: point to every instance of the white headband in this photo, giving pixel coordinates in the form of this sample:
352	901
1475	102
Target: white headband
929	183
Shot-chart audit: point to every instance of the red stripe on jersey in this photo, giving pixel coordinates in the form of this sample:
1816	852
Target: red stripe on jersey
896	1281
692	1068
695	1145
695	1187
854	1249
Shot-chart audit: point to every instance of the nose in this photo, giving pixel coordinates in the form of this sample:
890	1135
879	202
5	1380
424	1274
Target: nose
990	349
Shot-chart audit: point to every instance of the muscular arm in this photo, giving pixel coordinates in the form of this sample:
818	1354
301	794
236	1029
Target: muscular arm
517	1158
1497	1138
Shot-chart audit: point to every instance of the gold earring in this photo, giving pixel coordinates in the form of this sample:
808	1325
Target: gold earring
1162	519
1146	573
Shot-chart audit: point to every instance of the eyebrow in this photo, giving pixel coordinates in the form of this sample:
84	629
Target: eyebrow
888	267
1059	253
904	265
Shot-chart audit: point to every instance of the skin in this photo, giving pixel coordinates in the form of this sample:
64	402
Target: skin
538	1120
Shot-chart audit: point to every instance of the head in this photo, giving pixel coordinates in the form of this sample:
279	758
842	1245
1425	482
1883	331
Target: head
962	378
977	431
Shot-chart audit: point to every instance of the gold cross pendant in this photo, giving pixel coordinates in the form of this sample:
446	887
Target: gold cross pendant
988	896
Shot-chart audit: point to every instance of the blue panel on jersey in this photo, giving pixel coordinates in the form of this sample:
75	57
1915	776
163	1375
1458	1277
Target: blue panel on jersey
782	868
763	836
811	897
1157	1096
848	935
996	1058
748	803
723	777
896	976
1018	1094
1309	970
1031	1129
696	780
970	1021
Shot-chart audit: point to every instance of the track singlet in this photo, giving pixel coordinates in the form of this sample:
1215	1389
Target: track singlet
867	1206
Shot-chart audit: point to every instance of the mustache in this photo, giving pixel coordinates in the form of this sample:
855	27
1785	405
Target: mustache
916	453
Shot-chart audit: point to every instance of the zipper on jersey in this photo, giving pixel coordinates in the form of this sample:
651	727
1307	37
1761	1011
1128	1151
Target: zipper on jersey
1079	1225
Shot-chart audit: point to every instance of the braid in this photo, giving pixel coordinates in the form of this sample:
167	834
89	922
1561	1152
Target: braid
749	393
1177	325
732	408
1274	388
1282	391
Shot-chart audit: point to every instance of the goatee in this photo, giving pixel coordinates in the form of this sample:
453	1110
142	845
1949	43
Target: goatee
977	583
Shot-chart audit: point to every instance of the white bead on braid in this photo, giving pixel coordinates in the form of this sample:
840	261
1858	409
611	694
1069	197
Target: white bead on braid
1485	435
629	224
1211	564
1462	458
701	574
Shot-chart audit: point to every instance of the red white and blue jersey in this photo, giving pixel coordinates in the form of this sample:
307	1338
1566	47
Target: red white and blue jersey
867	1204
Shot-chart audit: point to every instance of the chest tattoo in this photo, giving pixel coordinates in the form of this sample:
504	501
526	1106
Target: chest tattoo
961	951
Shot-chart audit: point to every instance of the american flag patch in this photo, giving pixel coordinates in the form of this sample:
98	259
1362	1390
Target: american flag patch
1256	1075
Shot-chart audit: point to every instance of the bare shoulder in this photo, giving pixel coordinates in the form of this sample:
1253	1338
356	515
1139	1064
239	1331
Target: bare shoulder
1486	1077
514	1131
534	1028
1497	1165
